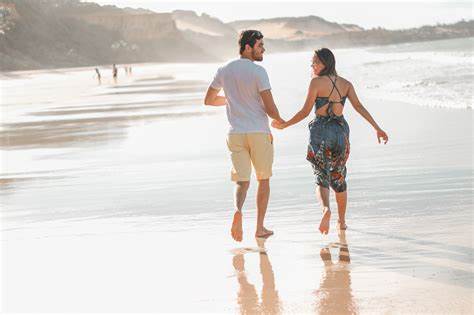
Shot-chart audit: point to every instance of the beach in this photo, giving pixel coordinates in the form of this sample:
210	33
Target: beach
117	197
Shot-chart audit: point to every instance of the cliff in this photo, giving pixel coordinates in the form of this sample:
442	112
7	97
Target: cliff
295	28
66	33
380	36
211	34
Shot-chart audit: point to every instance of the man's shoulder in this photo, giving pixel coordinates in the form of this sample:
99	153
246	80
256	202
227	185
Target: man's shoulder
232	62
244	65
258	69
229	64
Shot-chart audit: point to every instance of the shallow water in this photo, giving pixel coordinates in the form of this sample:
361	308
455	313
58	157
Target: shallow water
120	193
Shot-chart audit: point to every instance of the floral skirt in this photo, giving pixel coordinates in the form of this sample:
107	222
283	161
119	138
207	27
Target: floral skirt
328	151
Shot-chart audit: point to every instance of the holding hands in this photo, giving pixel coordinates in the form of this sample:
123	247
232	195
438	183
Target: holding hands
279	124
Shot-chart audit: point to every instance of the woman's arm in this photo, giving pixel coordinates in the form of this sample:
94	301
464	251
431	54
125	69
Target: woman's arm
365	113
304	112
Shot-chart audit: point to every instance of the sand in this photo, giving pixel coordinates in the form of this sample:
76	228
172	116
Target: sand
122	203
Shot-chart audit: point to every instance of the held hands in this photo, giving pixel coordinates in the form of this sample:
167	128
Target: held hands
381	135
279	124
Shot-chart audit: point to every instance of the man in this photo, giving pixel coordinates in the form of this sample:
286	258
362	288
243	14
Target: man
99	77
249	102
114	72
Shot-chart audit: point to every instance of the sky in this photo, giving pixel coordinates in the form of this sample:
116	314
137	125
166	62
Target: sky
368	14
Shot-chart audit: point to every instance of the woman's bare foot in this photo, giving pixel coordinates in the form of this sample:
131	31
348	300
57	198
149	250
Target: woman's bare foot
341	225
326	256
238	262
325	221
236	230
263	232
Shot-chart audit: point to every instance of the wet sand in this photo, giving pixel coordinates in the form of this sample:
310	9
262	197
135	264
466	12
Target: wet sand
189	264
122	203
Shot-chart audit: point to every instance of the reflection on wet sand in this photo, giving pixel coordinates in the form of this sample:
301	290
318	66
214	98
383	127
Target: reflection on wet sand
180	101
247	297
176	90
103	121
59	133
117	107
161	84
158	78
335	294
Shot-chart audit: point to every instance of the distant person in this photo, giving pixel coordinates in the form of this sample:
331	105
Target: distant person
114	72
128	70
328	149
249	102
99	77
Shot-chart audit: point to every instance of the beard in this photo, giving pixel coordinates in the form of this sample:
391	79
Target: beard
255	57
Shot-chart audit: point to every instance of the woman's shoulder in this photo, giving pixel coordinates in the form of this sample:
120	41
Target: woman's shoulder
325	79
347	85
315	81
344	80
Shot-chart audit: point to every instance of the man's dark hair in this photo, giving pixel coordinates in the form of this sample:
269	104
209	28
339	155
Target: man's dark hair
327	58
249	37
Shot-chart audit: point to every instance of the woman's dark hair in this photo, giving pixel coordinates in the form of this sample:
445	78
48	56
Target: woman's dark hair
327	58
249	37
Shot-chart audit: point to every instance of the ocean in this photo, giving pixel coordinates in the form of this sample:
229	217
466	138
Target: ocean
142	161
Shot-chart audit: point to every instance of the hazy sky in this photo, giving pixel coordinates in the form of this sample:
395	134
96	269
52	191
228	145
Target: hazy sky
368	14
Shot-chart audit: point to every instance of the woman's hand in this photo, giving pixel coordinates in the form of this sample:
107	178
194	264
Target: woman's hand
278	124
382	135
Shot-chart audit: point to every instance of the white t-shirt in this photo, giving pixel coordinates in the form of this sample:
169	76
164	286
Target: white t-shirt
243	81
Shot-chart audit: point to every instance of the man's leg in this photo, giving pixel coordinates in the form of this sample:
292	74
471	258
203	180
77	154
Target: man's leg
263	194
240	193
261	145
240	174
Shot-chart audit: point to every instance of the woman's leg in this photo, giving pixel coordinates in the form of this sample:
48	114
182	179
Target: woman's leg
338	179
341	199
322	193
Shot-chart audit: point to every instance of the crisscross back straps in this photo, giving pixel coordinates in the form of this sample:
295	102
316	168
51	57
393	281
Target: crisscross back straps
334	87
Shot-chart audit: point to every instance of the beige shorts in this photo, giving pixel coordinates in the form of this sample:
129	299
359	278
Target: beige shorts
249	149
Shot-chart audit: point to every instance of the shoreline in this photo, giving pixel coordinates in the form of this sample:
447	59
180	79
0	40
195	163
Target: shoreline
239	275
133	215
88	67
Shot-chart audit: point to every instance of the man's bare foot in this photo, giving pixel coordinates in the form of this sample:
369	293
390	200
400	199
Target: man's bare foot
236	230
341	225
263	232
325	221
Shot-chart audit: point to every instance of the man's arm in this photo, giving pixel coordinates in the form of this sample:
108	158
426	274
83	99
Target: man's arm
213	99
270	107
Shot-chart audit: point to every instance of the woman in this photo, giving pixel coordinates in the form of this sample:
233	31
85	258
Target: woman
328	147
